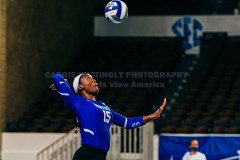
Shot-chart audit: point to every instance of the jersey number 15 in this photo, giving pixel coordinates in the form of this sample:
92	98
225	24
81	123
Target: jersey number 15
106	116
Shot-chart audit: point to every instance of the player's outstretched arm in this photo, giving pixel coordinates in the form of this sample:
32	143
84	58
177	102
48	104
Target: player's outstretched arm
156	114
134	122
61	86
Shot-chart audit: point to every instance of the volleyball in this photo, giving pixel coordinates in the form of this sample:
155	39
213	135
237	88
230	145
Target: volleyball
116	11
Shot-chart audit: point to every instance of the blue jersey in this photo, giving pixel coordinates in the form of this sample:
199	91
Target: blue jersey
94	117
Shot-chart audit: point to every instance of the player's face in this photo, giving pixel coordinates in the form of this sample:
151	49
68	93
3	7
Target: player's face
194	143
89	84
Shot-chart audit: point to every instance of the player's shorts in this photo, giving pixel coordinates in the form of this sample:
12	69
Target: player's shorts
87	152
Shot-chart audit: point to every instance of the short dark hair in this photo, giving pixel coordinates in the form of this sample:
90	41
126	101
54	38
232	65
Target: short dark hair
190	142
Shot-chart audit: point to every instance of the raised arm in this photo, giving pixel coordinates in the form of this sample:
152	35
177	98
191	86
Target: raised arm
130	123
62	87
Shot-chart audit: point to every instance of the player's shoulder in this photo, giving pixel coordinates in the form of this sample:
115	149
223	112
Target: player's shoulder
187	154
200	154
79	100
96	102
106	106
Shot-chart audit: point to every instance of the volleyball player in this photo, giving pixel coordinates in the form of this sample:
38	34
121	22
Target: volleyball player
94	117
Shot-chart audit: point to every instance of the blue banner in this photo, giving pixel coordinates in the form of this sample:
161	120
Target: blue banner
214	146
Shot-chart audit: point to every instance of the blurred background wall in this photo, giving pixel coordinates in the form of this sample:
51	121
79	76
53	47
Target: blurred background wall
40	36
2	61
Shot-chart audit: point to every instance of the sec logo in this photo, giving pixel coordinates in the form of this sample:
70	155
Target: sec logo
190	29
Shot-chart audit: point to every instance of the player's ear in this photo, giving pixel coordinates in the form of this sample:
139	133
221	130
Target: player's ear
80	86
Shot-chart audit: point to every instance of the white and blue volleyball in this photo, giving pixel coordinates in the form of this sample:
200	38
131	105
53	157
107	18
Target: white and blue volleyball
116	11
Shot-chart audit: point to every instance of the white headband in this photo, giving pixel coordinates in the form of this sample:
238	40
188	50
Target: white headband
76	82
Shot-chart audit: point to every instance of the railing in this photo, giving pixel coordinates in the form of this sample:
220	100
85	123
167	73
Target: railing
136	144
62	149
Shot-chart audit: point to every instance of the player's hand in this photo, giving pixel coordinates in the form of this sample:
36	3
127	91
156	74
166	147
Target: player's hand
158	112
52	86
